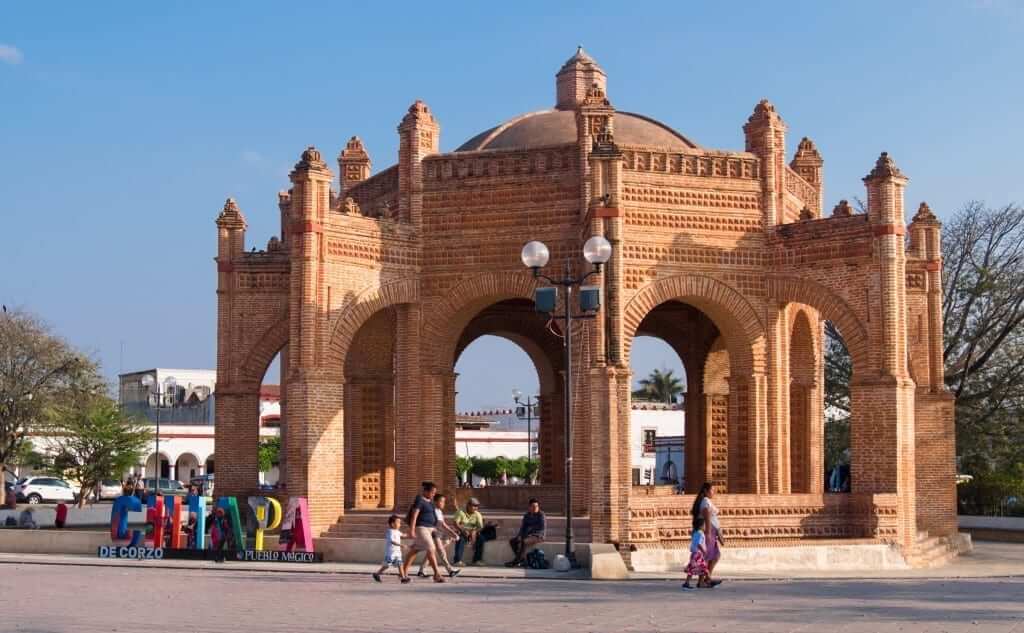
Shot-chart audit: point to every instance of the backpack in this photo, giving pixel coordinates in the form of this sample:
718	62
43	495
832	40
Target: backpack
535	560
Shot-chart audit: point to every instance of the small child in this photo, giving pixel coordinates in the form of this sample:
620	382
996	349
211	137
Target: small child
698	565
392	549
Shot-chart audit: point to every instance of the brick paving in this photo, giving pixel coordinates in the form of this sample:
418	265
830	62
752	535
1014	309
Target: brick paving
55	599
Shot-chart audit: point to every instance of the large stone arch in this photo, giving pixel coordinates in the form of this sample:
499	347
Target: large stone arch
262	353
364	305
739	323
447	320
831	306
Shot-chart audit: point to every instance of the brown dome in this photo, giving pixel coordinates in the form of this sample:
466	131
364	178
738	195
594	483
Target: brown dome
558	127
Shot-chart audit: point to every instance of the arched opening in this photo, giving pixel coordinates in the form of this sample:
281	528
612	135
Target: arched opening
805	457
657	421
702	415
271	424
151	468
838	370
496	436
529	358
209	465
186	467
369	413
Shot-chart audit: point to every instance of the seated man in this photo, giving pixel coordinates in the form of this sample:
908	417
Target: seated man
531	533
471	526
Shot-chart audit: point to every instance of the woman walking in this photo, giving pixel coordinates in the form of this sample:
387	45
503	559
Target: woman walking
704	507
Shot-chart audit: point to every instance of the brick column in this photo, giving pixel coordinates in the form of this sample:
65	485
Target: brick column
411	441
236	438
778	378
765	134
610	467
882	430
697	433
316	449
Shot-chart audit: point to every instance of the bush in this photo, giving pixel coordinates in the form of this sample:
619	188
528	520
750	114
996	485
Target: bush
992	494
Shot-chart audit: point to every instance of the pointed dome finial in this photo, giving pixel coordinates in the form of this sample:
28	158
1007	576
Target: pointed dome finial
231	216
885	167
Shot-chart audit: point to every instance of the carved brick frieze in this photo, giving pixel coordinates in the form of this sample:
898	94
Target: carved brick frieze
654	195
370	253
708	165
916	281
494	164
801	189
263	281
666	520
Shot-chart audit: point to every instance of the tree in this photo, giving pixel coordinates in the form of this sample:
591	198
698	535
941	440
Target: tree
463	466
269	453
39	373
95	441
983	321
983	325
660	386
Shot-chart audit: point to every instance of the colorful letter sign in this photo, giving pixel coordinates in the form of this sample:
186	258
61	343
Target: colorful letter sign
295	531
262	507
119	521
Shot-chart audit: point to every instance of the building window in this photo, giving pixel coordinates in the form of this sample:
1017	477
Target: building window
648	437
636	476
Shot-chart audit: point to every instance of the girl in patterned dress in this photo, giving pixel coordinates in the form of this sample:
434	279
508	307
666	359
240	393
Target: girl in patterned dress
698	565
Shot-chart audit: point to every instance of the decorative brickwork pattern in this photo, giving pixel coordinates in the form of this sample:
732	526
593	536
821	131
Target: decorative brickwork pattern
376	286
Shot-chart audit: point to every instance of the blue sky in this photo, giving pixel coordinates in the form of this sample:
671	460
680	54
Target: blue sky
124	126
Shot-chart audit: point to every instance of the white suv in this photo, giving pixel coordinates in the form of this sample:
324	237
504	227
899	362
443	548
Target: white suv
35	490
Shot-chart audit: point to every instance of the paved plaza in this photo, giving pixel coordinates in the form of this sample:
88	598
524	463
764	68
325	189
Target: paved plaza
57	598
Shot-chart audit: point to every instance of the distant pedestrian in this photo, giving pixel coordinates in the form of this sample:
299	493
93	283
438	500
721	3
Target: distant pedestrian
443	534
393	550
704	507
62	515
27	519
422	520
698	565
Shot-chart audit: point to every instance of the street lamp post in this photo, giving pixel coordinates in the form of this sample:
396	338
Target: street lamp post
530	403
151	384
597	251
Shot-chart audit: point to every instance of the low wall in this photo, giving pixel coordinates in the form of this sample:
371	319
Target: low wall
77	542
738	560
661	519
496	553
551	497
1004	529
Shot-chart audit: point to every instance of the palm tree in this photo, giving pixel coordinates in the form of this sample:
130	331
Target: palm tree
660	386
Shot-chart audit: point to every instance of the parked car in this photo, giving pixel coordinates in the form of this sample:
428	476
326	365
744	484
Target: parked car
108	489
167	487
35	490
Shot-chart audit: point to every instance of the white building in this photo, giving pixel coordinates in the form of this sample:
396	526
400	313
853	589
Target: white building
491	434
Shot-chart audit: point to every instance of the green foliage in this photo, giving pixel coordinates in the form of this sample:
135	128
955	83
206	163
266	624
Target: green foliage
95	441
492	468
463	466
992	494
269	453
40	376
660	386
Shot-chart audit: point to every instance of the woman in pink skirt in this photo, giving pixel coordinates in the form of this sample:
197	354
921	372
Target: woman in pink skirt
704	507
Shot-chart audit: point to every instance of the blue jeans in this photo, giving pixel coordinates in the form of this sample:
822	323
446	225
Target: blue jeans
478	548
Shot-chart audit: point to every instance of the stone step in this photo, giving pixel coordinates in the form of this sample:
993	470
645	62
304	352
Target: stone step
496	553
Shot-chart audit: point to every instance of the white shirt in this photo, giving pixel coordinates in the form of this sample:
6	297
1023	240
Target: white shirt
394	544
696	540
712	512
439	513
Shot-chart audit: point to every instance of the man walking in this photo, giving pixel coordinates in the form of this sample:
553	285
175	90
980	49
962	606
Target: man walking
422	522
